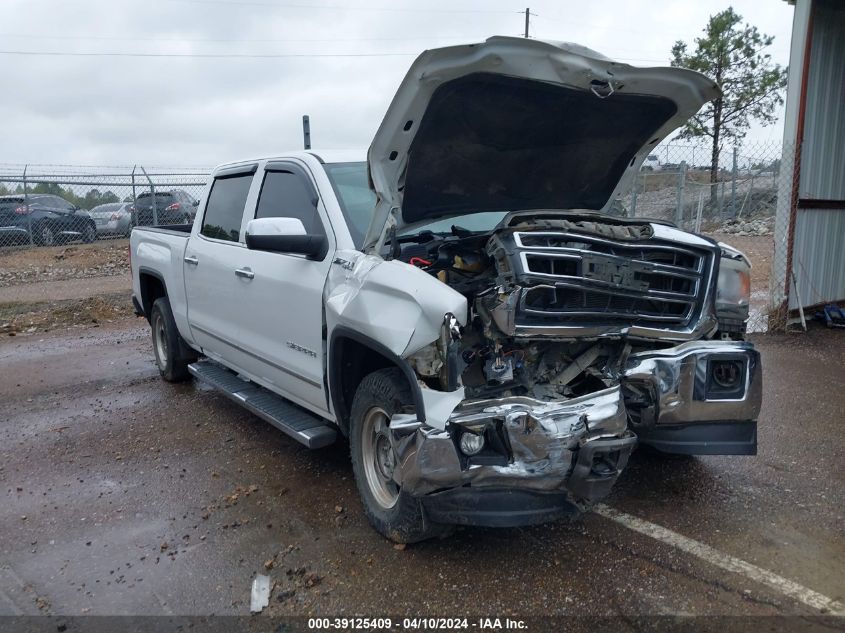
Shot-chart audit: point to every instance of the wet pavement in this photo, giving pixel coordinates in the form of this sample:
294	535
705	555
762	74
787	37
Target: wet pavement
127	495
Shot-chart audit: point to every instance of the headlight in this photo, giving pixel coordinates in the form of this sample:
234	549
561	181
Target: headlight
733	291
734	286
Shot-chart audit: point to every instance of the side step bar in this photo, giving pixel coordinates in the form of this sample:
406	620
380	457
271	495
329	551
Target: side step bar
301	425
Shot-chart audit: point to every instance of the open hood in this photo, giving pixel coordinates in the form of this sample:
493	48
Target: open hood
513	124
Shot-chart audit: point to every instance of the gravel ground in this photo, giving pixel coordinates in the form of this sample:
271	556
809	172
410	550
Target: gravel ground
128	495
79	261
37	317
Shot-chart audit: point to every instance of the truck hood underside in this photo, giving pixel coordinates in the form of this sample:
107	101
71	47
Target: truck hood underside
541	147
514	124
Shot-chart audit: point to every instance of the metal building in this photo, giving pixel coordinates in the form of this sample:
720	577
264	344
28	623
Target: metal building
809	259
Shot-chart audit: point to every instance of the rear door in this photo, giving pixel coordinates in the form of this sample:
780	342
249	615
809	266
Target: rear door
60	213
280	295
215	249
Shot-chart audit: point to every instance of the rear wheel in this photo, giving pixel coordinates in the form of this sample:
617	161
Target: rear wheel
392	511
171	353
44	235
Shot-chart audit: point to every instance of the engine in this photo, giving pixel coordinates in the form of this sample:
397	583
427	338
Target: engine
556	305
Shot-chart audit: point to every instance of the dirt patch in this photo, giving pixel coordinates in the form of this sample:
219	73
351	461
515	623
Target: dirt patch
32	318
80	261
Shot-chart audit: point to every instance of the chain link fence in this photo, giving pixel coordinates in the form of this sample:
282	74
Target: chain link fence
735	202
64	206
50	205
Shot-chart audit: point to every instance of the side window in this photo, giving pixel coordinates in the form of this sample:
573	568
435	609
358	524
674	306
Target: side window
288	195
225	208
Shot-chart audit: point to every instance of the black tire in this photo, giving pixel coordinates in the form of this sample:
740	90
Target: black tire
172	354
44	235
89	233
385	391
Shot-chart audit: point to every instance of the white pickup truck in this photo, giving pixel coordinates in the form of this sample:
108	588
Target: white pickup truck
467	306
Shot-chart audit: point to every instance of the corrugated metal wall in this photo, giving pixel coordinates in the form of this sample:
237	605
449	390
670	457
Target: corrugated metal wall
823	158
818	257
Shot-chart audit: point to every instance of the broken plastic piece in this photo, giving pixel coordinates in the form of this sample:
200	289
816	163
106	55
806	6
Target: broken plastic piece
260	593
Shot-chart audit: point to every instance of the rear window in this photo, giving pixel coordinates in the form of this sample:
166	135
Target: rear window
111	206
11	202
225	208
161	198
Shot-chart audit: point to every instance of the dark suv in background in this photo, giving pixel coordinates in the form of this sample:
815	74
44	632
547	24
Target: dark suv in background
172	207
44	220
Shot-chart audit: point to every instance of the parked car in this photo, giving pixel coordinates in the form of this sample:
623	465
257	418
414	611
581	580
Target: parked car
652	163
113	218
464	306
44	220
172	207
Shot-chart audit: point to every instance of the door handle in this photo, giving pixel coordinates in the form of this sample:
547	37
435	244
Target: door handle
246	273
192	260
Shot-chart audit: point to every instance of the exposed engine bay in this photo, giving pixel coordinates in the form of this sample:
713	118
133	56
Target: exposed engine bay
557	305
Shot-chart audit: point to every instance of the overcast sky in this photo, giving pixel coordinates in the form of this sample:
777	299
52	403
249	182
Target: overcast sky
347	58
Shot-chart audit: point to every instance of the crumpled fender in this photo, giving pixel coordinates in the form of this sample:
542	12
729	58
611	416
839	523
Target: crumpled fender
394	303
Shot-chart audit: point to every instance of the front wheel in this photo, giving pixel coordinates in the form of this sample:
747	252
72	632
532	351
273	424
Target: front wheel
392	511
171	353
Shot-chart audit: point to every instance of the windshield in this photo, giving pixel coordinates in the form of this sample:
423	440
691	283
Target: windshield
351	185
484	221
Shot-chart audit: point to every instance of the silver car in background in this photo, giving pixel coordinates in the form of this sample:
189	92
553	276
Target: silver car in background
114	218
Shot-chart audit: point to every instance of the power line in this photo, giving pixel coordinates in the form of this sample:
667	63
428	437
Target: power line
250	55
335	7
240	40
205	55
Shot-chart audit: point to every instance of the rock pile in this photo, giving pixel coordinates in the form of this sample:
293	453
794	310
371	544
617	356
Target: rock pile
749	226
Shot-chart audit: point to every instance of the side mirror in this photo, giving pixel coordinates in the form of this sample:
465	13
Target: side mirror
284	235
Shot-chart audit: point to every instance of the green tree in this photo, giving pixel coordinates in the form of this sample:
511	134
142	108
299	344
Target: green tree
732	55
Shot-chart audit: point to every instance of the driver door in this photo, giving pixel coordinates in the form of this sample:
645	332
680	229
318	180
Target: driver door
280	295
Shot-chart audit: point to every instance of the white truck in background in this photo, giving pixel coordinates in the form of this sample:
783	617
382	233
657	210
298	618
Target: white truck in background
462	305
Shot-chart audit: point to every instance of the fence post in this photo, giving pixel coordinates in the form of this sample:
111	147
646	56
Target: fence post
634	196
733	187
152	195
26	206
700	211
679	209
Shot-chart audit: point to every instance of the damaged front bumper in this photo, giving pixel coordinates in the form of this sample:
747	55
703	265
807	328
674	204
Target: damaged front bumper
539	460
543	460
699	398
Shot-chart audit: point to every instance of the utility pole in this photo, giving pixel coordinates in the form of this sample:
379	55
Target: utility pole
527	18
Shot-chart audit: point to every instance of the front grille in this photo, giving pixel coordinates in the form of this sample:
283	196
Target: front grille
569	278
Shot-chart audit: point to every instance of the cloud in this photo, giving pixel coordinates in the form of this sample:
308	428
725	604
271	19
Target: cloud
202	111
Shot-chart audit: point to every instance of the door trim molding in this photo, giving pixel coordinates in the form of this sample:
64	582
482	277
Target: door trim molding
258	357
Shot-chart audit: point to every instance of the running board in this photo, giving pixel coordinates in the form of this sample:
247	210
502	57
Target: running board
296	422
